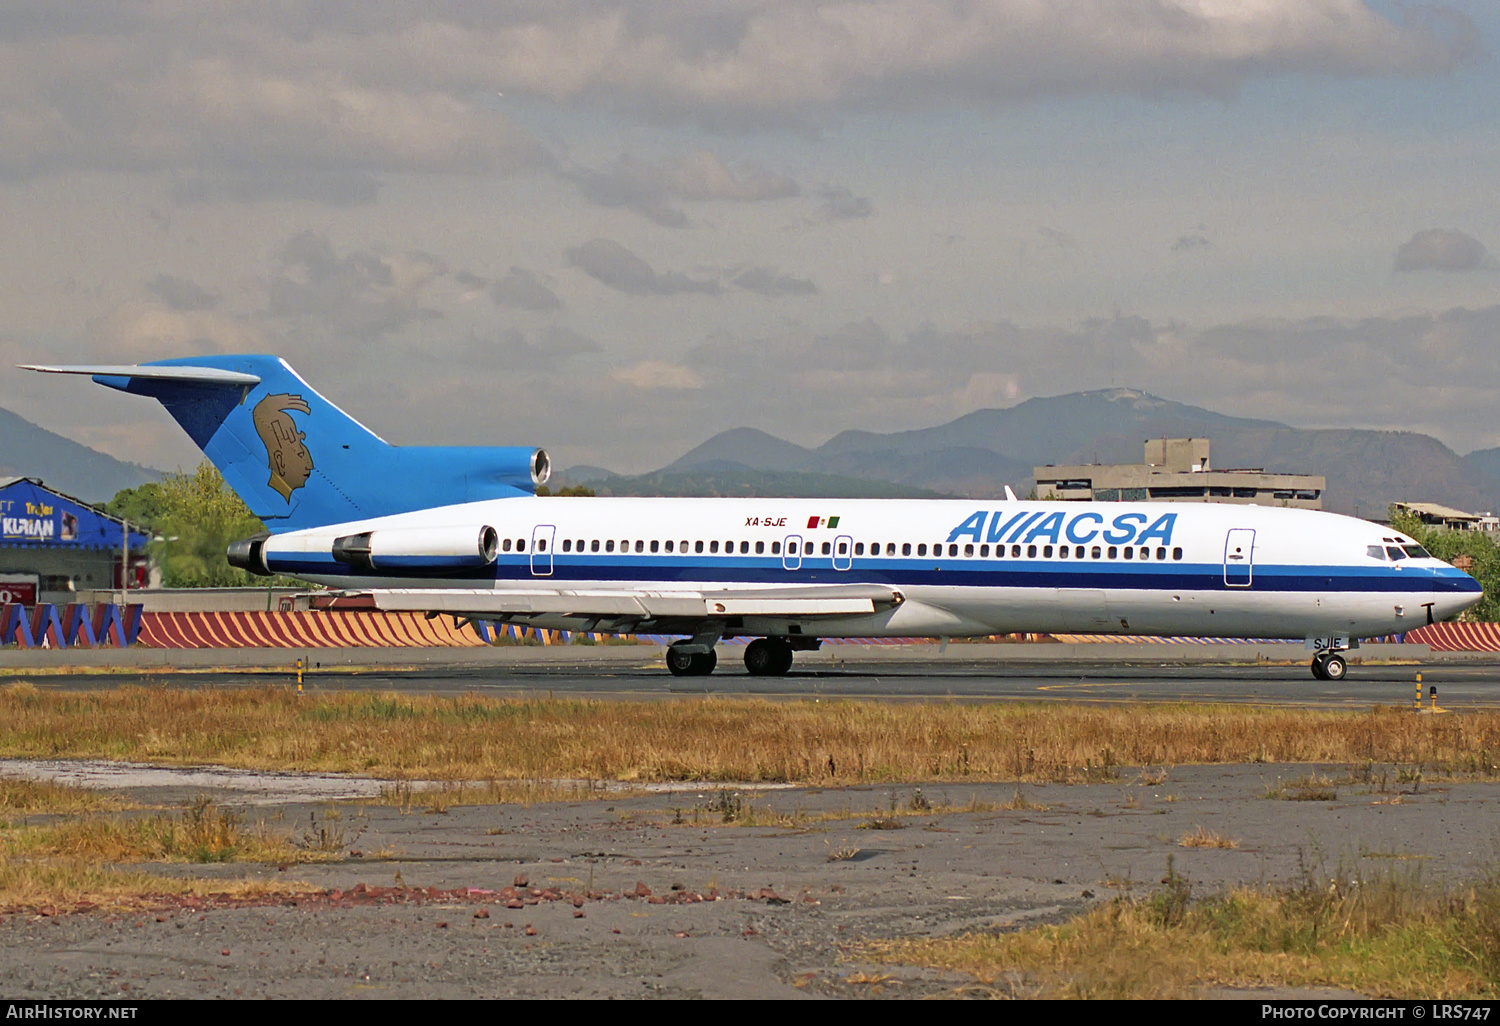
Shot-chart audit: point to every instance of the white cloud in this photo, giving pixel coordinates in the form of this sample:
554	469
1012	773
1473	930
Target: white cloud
512	353
331	188
387	86
1439	249
649	188
522	288
767	281
785	61
359	294
610	263
154	331
704	176
634	185
655	375
839	204
180	293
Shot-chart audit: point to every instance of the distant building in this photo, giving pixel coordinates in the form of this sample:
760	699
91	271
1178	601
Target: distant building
52	546
1448	518
1178	470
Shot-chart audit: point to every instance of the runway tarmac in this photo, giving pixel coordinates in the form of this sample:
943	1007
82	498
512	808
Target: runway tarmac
1460	685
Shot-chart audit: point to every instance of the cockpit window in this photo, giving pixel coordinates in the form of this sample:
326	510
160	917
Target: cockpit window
1374	551
1417	552
1394	552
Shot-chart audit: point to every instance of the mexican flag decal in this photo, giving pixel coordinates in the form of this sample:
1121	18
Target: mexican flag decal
814	523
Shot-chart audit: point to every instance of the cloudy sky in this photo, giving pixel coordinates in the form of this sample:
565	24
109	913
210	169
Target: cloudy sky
615	229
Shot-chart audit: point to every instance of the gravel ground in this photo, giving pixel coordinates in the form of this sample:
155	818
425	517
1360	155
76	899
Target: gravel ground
655	895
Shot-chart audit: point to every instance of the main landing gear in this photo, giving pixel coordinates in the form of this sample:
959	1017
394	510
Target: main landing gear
691	664
1329	665
768	657
764	657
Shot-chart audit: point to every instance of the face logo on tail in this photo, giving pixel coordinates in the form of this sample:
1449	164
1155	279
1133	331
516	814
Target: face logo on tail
289	460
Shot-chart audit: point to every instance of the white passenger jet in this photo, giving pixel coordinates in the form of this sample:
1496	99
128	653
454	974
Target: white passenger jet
459	530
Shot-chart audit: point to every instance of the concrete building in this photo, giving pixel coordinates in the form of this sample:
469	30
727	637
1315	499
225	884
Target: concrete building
1448	518
1178	470
53	546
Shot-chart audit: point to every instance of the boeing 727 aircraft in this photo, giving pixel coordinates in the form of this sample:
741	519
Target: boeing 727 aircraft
459	530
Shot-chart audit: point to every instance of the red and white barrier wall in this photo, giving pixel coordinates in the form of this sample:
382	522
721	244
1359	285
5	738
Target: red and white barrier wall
108	625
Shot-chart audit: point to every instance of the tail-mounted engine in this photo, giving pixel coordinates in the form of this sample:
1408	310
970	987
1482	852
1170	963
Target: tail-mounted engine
418	548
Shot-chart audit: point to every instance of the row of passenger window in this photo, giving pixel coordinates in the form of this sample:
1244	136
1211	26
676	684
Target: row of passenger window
841	548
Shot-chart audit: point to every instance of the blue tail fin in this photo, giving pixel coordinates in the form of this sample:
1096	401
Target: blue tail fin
298	460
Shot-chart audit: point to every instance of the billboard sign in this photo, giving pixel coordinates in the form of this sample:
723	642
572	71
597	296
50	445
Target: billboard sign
20	588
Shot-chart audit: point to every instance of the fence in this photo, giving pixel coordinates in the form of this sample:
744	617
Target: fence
104	625
76	626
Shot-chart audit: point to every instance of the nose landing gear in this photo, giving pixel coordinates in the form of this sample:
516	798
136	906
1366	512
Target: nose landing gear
1329	666
1327	662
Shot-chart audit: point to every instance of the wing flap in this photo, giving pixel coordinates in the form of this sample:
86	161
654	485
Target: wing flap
812	601
789	607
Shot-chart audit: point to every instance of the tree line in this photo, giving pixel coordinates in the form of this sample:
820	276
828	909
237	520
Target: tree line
192	518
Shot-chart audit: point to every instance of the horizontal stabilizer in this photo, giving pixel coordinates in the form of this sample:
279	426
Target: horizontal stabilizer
186	375
299	461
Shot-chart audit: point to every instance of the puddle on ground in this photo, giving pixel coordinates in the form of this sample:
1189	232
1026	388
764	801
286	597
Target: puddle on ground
265	787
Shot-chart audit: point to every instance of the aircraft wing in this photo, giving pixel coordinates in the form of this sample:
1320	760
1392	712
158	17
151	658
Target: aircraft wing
685	604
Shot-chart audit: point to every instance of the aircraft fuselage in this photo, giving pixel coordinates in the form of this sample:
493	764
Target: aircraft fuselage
963	567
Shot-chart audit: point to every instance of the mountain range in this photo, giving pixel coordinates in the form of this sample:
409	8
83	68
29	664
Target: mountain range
65	465
975	456
980	453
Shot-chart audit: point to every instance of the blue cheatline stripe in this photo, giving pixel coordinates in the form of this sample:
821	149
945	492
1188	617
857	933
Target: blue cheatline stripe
972	573
996	574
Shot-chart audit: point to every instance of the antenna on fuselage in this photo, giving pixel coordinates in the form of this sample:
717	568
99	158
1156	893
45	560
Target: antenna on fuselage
1010	496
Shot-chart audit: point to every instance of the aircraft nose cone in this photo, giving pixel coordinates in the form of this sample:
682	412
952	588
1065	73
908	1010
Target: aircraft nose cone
1460	593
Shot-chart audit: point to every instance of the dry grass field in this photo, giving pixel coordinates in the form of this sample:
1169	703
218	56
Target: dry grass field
710	739
63	851
1390	936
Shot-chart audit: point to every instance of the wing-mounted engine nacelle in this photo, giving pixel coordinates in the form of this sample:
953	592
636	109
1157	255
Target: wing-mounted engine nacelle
418	548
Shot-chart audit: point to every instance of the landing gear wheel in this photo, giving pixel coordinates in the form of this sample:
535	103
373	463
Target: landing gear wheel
785	665
768	657
691	664
679	662
1329	666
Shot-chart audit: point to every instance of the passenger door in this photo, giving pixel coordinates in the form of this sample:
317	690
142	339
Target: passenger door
541	550
1239	558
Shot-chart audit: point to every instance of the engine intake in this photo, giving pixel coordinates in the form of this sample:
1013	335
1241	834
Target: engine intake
541	467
